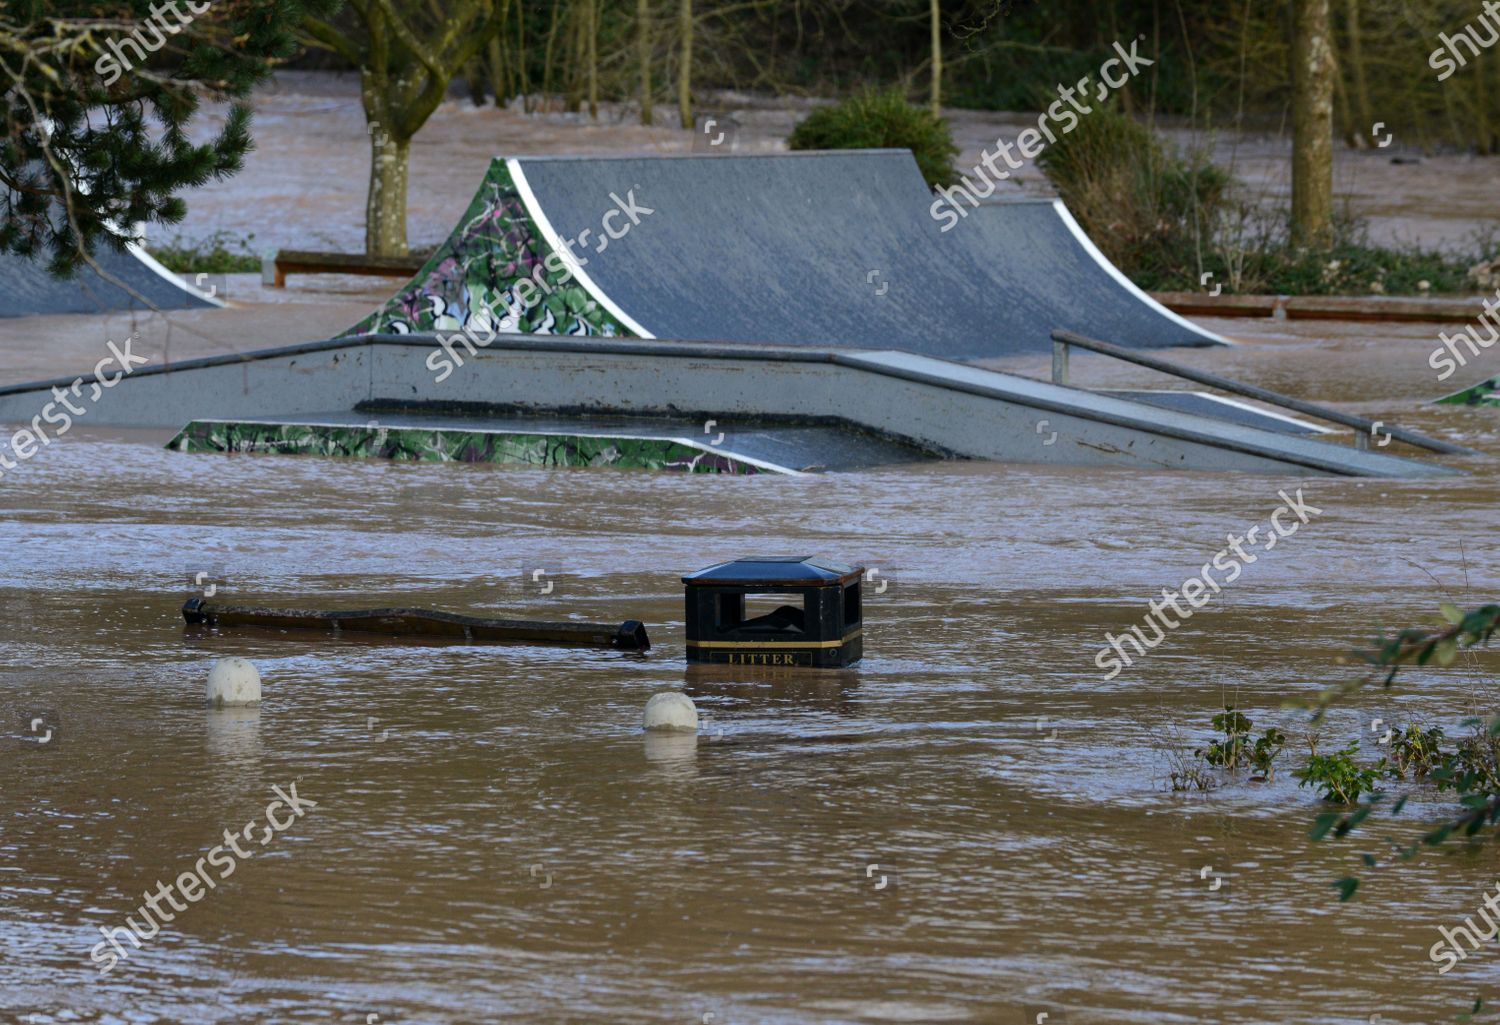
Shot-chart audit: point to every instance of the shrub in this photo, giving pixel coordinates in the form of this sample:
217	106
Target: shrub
875	119
1238	748
1338	775
1165	218
1147	206
219	253
1416	752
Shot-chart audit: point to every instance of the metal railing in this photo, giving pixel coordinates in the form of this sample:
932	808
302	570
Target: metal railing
1364	430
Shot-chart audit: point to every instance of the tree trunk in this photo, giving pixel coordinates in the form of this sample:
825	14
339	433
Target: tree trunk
499	73
546	101
385	209
578	43
1344	113
474	79
937	57
1363	119
1313	72
523	74
593	59
643	45
685	70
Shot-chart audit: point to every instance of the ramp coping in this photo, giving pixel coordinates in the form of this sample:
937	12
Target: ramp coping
570	261
154	266
1066	216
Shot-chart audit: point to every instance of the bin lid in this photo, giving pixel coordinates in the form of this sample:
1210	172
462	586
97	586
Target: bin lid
793	570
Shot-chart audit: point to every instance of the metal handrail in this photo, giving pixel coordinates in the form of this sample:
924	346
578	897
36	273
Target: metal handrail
1365	429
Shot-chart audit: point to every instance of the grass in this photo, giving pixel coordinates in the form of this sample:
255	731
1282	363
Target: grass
219	253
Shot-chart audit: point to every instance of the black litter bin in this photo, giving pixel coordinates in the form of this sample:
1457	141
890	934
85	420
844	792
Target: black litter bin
784	611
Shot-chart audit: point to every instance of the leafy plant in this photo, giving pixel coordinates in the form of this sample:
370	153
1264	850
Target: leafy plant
1471	772
1232	751
875	119
1416	752
1149	206
1166	216
1227	753
219	253
1262	756
95	145
1339	777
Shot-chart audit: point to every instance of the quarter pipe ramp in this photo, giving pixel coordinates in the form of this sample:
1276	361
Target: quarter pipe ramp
815	249
129	280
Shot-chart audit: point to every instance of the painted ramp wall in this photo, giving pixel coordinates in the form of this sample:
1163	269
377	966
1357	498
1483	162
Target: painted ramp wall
810	249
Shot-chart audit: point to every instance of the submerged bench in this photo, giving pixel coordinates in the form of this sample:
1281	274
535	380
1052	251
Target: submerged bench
274	269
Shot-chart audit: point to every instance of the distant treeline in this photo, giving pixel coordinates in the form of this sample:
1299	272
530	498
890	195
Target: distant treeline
1222	63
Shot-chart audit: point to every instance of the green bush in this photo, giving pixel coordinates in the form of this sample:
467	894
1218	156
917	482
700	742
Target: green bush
219	253
874	119
1338	775
1147	206
1166	218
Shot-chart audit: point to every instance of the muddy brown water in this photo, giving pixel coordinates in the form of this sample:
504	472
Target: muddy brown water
494	840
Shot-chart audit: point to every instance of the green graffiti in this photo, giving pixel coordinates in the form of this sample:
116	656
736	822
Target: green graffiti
438	445
493	275
1485	393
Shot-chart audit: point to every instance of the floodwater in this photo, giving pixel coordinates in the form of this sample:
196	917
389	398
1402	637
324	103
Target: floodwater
494	839
971	825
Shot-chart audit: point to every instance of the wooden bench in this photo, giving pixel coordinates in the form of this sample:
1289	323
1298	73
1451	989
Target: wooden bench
274	269
1393	309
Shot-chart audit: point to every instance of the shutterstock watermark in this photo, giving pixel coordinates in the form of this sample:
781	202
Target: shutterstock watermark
1449	54
194	885
480	329
24	441
1068	107
114	64
1196	589
1476	937
1489	320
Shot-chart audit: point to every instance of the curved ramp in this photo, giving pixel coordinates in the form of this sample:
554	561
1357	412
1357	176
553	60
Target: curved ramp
833	248
1051	272
130	280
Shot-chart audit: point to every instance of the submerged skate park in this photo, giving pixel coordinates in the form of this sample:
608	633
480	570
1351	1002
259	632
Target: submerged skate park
780	313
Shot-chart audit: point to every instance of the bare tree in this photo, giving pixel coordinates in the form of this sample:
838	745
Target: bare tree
643	43
407	52
593	58
937	56
685	66
1314	69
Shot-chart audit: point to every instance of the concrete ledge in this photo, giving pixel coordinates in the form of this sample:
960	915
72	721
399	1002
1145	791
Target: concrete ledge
933	404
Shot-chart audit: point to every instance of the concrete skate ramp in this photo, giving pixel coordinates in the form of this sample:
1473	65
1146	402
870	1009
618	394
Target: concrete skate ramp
831	248
1050	271
811	249
130	280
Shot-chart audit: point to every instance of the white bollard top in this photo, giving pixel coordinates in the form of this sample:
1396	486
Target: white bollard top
671	710
233	682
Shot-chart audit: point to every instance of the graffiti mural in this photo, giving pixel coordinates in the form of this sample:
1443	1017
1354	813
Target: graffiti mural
1485	393
473	281
431	445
